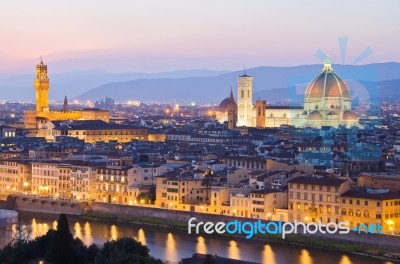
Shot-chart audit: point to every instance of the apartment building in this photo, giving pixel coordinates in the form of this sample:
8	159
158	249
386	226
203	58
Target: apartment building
64	181
45	178
367	206
315	198
83	181
15	176
145	175
264	203
170	192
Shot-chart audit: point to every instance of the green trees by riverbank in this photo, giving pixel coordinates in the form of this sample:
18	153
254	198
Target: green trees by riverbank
59	247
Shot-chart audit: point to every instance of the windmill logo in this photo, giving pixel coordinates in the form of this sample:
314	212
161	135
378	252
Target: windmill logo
343	52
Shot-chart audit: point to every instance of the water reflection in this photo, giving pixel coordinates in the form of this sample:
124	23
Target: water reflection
201	245
268	255
77	230
38	229
305	257
141	237
174	245
114	232
87	239
170	248
345	260
233	250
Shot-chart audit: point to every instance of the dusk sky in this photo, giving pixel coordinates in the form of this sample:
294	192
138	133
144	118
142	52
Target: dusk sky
159	35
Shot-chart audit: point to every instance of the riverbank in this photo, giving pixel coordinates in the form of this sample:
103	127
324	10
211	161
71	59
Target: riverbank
298	240
365	244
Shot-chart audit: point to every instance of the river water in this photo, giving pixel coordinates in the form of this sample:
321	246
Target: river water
174	245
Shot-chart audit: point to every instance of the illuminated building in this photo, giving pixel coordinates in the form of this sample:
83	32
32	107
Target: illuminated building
313	199
64	181
264	203
327	102
45	178
372	207
245	100
170	192
113	181
96	130
15	176
42	86
227	111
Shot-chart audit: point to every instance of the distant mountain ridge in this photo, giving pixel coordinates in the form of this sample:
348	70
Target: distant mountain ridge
74	83
270	83
200	86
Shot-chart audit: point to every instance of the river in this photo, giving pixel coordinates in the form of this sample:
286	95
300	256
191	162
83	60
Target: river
174	245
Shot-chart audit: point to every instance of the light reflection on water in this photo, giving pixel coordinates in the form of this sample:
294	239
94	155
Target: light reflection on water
201	246
233	250
174	245
268	255
305	257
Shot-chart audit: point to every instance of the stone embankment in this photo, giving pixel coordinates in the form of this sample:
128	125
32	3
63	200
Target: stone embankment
166	216
36	204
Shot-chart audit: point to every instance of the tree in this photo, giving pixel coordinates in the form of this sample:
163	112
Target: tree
125	250
60	247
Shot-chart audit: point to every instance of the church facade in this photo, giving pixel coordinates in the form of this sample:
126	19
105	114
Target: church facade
327	102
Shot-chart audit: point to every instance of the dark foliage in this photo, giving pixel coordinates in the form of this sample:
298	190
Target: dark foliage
59	246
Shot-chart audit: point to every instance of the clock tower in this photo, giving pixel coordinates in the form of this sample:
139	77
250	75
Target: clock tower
245	100
42	86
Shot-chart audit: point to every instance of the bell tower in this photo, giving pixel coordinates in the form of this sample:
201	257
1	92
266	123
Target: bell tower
245	100
42	86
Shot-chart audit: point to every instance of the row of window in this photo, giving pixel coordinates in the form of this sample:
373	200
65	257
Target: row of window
329	198
313	187
313	209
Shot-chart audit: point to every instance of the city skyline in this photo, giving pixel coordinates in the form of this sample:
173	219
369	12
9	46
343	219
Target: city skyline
225	37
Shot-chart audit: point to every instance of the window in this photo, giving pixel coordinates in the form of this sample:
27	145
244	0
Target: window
378	204
358	202
366	203
343	201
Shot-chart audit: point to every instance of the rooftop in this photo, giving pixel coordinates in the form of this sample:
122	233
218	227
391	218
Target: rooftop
325	181
370	195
